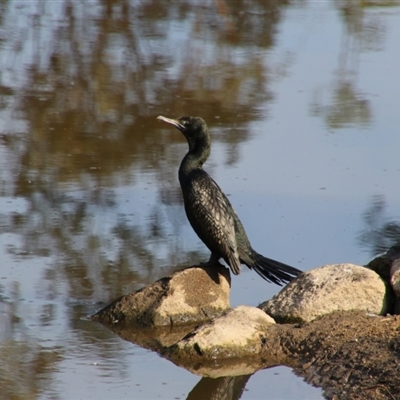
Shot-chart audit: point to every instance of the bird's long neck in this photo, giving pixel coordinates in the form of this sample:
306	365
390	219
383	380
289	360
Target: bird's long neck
195	158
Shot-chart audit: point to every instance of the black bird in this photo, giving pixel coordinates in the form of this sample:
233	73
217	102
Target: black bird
210	212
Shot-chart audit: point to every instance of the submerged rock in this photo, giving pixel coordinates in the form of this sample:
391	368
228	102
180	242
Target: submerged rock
240	332
191	295
327	289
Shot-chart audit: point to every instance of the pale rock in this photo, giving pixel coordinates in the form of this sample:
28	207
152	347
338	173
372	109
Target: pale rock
327	289
240	332
194	294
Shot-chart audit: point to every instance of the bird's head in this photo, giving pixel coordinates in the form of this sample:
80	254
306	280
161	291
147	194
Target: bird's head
189	126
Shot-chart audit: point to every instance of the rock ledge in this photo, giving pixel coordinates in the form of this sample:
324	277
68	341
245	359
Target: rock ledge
192	295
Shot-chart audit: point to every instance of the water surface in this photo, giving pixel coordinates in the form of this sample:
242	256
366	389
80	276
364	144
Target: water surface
302	102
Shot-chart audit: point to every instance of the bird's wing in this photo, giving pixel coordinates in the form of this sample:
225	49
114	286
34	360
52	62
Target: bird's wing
211	216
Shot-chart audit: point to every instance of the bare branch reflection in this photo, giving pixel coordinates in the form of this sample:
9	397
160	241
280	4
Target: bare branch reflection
380	232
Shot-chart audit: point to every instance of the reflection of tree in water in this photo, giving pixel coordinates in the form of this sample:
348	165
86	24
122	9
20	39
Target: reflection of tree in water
28	368
380	234
347	108
25	363
80	88
364	32
81	119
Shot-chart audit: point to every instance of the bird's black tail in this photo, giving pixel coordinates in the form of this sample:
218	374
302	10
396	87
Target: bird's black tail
273	271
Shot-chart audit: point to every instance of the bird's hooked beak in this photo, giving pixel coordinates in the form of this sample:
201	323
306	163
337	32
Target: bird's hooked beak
171	121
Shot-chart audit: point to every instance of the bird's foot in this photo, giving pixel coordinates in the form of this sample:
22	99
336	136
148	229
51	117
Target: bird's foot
211	263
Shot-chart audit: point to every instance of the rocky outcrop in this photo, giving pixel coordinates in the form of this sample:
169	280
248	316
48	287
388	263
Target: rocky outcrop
341	344
191	295
240	332
327	289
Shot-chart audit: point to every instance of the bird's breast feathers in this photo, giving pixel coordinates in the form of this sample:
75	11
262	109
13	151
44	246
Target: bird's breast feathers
211	215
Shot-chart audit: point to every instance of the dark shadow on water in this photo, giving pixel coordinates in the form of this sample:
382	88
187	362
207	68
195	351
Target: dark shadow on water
225	388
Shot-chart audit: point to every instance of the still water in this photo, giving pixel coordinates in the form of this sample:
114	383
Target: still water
302	101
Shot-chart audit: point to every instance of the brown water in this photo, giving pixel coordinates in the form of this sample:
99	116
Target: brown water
302	102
